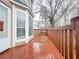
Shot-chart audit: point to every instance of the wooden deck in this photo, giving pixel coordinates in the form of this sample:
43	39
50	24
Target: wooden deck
39	48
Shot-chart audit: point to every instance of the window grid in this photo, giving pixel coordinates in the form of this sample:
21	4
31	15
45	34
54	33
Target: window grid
20	25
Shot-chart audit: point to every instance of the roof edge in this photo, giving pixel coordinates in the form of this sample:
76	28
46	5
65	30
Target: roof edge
18	4
21	5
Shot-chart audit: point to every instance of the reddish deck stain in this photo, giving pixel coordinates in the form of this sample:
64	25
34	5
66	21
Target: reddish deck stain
39	48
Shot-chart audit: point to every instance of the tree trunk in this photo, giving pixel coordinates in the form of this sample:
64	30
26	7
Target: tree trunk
52	23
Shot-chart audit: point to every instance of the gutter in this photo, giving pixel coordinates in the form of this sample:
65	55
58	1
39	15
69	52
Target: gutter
18	4
21	5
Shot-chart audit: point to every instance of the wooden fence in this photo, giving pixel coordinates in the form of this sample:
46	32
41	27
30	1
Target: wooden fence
66	39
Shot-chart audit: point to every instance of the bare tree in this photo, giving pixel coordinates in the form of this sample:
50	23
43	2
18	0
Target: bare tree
66	14
54	9
28	3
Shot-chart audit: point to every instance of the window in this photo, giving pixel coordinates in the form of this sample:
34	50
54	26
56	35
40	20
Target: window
3	21
30	26
20	24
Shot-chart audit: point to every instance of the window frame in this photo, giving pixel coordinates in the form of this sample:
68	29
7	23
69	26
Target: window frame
17	27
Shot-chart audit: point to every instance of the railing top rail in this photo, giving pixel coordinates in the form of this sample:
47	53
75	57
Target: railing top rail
69	27
75	19
61	28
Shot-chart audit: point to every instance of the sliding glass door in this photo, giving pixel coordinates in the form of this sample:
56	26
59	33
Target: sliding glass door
4	40
3	22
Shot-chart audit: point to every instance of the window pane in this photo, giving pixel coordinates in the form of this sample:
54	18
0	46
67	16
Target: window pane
3	21
20	25
20	19
30	26
23	31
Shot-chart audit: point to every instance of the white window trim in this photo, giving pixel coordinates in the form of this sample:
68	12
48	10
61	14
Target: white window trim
20	39
14	36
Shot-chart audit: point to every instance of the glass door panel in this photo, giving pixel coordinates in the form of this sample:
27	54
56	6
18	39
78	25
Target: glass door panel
3	21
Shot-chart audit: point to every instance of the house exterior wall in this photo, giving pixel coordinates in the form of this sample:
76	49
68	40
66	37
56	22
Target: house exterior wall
12	39
14	30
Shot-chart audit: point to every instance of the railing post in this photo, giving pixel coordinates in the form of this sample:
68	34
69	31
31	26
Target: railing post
63	42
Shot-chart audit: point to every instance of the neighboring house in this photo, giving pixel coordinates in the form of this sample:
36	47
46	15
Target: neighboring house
14	24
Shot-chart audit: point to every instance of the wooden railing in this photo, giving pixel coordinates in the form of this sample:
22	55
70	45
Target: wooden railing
63	39
40	31
66	39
